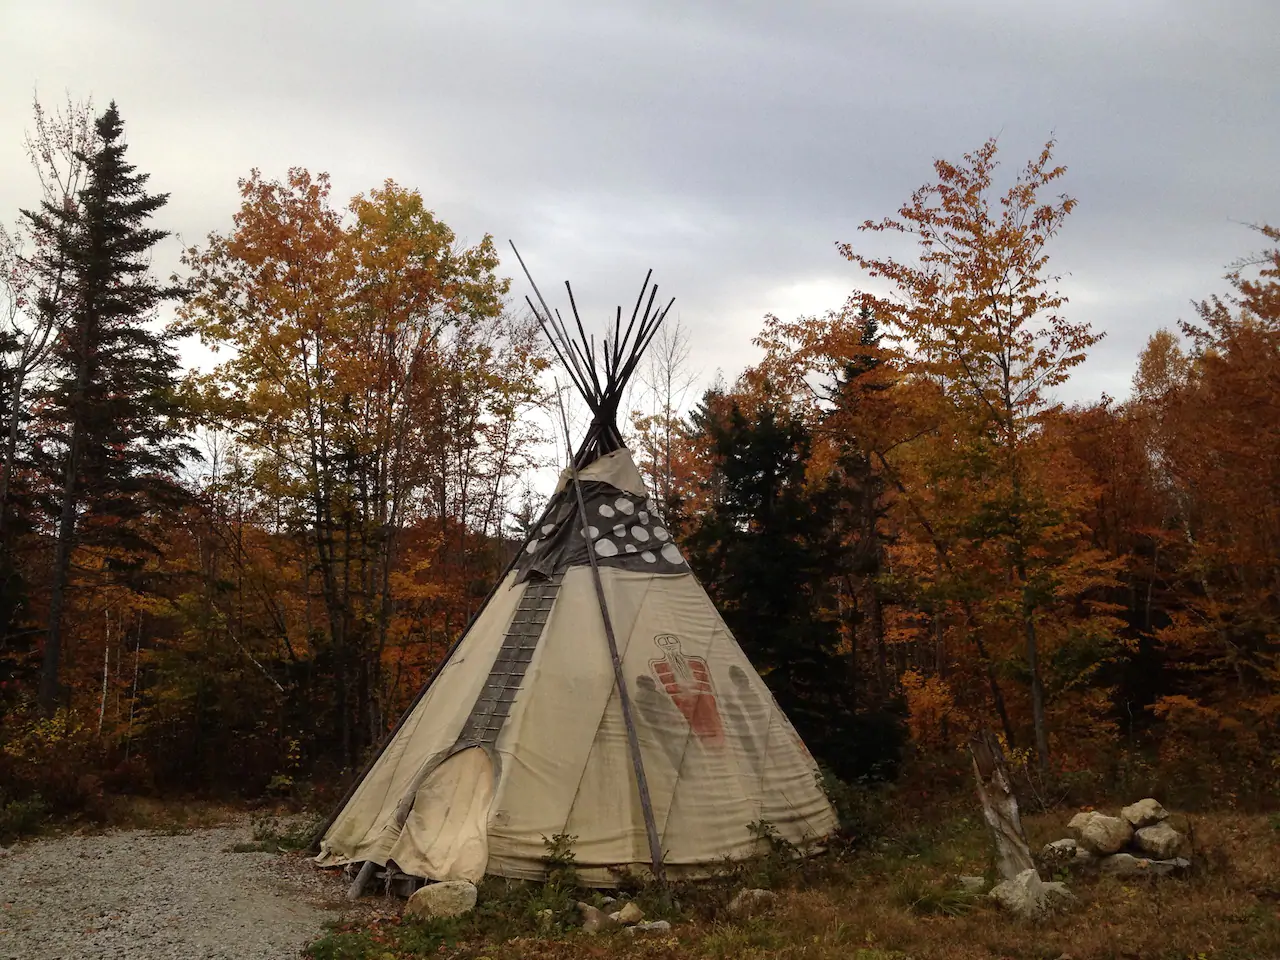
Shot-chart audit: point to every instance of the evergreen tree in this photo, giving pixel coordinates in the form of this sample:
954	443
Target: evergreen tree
770	551
16	637
857	484
110	411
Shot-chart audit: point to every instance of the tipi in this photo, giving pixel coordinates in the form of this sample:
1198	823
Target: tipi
598	694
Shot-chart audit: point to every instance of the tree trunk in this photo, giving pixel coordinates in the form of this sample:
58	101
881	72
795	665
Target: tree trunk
11	447
999	806
57	595
1037	695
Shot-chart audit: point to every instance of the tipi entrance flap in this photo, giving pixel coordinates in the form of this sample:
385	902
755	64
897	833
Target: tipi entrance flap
367	828
446	835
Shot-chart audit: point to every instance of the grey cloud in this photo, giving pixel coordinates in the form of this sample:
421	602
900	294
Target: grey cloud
728	146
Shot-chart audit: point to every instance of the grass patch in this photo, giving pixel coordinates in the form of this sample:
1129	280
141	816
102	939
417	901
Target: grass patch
930	897
170	815
383	939
891	900
253	846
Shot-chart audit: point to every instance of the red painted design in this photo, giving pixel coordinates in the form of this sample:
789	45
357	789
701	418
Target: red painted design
687	681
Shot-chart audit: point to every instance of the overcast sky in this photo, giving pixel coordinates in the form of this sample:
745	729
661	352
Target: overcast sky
727	145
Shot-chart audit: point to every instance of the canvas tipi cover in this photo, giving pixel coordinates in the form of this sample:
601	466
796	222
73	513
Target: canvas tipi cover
523	735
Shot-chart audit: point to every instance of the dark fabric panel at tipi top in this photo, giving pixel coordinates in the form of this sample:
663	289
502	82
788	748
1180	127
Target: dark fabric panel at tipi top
623	529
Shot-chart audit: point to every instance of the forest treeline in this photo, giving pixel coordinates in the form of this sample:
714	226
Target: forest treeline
233	582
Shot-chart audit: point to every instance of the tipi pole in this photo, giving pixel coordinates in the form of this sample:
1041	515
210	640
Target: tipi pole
633	740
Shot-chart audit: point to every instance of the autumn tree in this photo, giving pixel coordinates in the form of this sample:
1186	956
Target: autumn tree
33	306
109	414
34	271
1212	419
376	385
978	343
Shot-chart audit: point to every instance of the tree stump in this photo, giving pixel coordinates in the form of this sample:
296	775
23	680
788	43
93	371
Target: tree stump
999	806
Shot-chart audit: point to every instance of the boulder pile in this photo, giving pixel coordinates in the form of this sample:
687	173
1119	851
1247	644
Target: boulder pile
629	919
1135	844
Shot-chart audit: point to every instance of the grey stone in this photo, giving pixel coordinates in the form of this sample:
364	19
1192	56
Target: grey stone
1101	834
1028	897
449	898
1076	823
750	902
1126	865
1144	813
595	921
1159	840
1084	859
973	884
630	914
652	928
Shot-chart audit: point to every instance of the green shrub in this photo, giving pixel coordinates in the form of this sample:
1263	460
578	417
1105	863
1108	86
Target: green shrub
864	808
284	833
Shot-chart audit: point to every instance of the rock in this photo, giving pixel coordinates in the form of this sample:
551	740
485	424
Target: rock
545	919
4	852
1160	840
973	884
1101	834
449	898
1126	865
1084	859
630	914
1077	822
1060	853
1144	813
654	928
750	902
1028	897
608	901
595	921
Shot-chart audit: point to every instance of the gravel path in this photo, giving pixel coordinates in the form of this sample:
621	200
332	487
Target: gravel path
154	896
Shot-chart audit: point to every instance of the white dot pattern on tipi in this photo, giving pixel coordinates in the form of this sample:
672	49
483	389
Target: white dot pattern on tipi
630	538
623	530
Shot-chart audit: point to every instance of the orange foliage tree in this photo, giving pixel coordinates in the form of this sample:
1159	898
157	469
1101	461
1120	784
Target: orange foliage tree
1213	434
964	435
375	389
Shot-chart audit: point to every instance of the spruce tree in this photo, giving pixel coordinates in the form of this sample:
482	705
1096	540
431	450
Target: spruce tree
769	551
110	412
